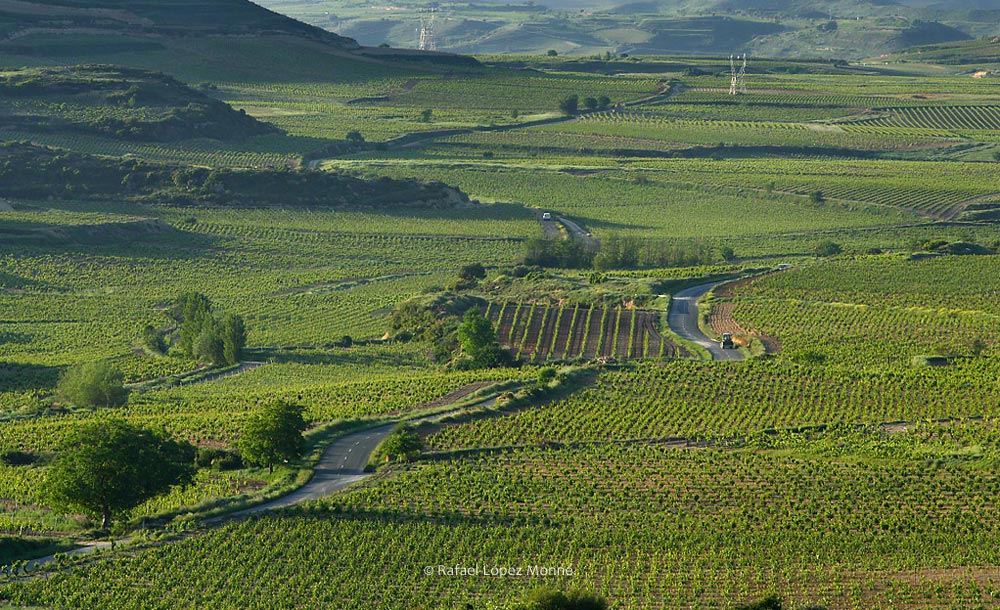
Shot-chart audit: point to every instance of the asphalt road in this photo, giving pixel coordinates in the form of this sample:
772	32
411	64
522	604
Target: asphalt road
683	320
577	232
342	464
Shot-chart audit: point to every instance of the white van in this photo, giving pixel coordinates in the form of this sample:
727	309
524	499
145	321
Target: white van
546	216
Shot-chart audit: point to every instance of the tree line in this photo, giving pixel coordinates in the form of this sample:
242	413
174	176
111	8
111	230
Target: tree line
622	252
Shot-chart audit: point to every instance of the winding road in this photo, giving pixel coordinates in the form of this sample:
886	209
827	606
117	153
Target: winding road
683	320
342	464
578	233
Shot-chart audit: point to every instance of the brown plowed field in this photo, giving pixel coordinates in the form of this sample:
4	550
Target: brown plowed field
549	336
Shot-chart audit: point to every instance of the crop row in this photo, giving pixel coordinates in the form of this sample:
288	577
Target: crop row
690	399
656	527
539	333
941	117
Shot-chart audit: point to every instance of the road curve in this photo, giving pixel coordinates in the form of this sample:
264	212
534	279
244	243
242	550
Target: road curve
342	464
578	233
683	320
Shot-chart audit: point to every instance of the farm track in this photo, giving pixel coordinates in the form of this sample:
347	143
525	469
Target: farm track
418	138
683	320
956	210
242	368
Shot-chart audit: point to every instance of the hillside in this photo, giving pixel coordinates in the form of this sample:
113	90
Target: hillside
34	172
981	52
216	40
122	103
19	18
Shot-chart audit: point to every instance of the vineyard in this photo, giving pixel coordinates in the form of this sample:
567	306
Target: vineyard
690	400
660	528
944	117
537	333
848	462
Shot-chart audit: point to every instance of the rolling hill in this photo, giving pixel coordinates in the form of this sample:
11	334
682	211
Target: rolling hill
212	40
122	103
849	29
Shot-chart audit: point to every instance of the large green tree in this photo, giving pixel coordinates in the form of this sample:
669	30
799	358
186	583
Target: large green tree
108	467
403	444
94	384
234	337
479	341
205	336
273	434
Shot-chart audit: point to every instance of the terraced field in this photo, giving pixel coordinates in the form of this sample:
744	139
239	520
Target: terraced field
940	117
537	333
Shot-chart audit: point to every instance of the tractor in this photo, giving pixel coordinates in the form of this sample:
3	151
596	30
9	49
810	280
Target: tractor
727	341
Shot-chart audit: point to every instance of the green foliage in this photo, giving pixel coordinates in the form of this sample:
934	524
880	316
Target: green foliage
93	384
562	253
234	337
107	467
152	339
273	434
218	459
403	444
569	105
472	272
434	318
546	374
770	603
625	252
205	337
546	598
828	248
121	103
36	172
479	343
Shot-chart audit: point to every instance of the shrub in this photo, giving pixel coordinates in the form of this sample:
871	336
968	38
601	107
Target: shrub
152	340
218	459
95	384
828	248
569	105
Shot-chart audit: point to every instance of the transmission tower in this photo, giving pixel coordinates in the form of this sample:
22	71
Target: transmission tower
427	19
739	83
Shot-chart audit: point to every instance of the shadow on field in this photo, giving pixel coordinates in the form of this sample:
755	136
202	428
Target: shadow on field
139	239
483	211
606	225
380	516
335	356
19	377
